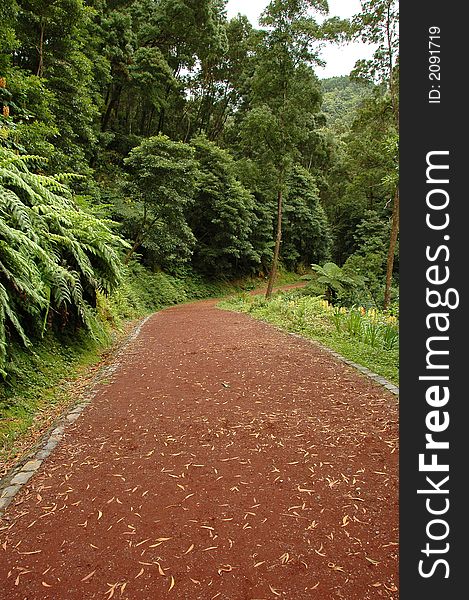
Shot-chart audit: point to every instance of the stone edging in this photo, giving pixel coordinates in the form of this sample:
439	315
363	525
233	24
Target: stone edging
20	474
374	376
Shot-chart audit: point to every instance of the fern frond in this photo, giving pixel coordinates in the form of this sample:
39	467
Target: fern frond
52	253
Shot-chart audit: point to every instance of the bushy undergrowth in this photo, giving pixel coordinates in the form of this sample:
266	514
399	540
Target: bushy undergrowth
33	389
143	292
368	337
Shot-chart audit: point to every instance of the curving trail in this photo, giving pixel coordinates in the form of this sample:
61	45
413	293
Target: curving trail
225	460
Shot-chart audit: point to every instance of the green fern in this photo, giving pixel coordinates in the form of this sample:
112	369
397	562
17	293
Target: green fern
54	257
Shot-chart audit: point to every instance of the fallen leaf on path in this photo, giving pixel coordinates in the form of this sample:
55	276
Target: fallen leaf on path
391	588
319	551
160	569
335	567
225	569
111	590
274	591
89	576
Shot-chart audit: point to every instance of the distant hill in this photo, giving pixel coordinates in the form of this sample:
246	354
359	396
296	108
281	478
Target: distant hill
341	98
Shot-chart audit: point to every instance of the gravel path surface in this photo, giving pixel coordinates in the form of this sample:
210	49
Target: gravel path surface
222	459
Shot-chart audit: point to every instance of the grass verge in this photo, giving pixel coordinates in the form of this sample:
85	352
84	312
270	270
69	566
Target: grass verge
37	389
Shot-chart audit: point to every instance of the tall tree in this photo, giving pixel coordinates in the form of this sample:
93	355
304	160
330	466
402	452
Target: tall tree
222	216
378	24
55	46
285	93
161	185
218	87
306	233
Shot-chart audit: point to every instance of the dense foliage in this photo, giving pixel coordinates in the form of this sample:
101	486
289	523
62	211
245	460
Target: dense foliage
211	145
54	257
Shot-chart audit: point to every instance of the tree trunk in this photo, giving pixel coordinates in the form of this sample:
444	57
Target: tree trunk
160	122
136	245
273	269
112	103
392	250
40	67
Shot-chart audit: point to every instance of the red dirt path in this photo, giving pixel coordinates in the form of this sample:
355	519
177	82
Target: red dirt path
225	460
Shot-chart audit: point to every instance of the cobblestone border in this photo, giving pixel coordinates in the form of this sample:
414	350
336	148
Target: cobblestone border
394	389
374	376
22	472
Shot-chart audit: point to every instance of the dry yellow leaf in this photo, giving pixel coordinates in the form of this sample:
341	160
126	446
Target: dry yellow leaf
225	569
89	576
274	591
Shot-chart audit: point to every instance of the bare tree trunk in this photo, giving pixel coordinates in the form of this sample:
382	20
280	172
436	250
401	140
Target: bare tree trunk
278	240
392	249
136	245
395	207
40	67
113	102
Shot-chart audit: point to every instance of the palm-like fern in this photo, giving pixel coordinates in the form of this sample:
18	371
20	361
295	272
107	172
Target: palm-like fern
54	257
334	280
